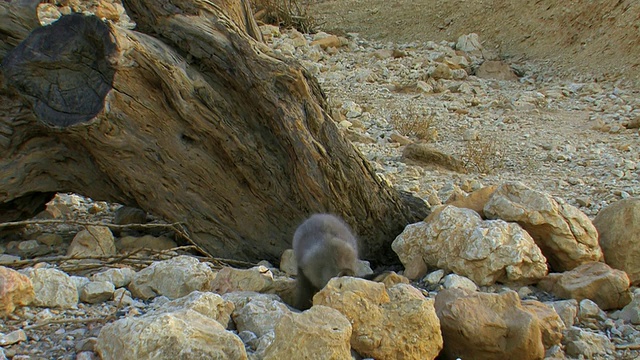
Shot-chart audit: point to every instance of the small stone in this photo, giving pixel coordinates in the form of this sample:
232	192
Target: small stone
434	277
441	71
53	288
453	281
288	263
28	245
470	135
13	337
97	291
50	239
118	277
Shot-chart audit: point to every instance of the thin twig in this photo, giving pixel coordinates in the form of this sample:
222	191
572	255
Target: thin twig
67	321
87	223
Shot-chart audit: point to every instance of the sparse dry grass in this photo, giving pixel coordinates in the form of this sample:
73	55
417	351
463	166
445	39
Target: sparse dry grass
285	13
415	125
484	156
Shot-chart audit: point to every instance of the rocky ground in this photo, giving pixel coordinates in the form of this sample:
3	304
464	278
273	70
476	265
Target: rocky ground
575	139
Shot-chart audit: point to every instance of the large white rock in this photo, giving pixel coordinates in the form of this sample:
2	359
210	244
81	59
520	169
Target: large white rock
183	334
53	288
478	325
485	251
318	333
191	327
619	228
394	323
172	278
565	235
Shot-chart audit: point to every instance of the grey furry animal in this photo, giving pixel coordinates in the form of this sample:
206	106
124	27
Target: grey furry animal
324	247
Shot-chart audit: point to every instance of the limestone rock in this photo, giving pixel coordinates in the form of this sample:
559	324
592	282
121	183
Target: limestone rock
93	241
328	42
497	70
405	328
97	291
129	243
453	281
567	310
80	282
590	345
470	43
607	287
631	312
208	304
172	278
475	201
15	290
551	324
318	333
119	277
258	279
182	334
487	326
441	71
13	337
50	239
460	241
288	263
565	235
391	278
589	312
619	228
259	314
53	288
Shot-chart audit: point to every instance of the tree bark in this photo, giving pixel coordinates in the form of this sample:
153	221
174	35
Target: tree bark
192	118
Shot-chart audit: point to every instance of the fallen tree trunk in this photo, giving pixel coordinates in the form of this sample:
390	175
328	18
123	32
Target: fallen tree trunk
191	118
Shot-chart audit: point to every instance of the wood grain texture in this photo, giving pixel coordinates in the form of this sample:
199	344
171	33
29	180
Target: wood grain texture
205	124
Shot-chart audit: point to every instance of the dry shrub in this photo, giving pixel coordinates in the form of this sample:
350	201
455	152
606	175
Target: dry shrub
418	125
285	13
484	156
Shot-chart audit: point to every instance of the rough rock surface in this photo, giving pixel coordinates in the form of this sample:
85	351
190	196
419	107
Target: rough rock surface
487	326
320	333
619	234
565	235
551	325
607	287
405	328
475	200
182	334
15	290
94	241
172	278
97	291
590	345
53	288
459	240
257	279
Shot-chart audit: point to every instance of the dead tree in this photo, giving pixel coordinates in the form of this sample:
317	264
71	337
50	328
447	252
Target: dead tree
190	117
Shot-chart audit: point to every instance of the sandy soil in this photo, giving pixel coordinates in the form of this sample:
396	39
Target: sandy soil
596	39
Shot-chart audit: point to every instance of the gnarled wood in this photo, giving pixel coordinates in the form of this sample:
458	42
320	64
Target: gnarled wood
200	123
